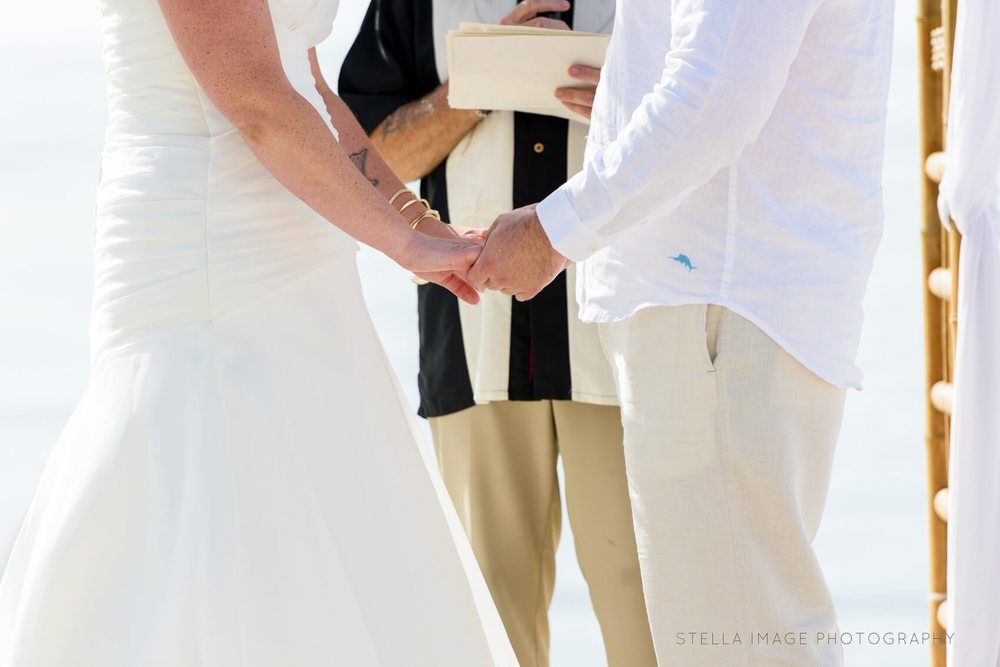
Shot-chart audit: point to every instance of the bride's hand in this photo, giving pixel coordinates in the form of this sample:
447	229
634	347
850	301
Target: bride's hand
442	230
441	254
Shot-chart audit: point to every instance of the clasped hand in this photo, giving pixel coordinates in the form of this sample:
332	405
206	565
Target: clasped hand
517	258
513	256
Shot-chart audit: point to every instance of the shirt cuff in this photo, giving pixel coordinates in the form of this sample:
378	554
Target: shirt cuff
567	232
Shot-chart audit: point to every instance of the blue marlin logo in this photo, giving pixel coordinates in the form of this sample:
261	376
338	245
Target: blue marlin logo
685	261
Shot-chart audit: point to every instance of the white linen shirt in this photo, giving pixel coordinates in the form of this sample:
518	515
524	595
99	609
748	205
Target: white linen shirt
735	158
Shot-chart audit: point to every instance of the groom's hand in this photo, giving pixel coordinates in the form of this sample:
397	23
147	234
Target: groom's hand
517	259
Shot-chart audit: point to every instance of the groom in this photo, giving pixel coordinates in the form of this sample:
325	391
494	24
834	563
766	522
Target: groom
725	224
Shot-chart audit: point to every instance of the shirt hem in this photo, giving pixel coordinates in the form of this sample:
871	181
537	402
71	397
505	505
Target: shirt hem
601	316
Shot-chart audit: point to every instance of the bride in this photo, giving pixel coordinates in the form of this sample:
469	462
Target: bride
240	485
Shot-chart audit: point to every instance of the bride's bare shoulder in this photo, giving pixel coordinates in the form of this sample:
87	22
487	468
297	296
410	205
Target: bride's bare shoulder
231	49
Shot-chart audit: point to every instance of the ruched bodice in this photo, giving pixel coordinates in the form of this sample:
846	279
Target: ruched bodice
190	225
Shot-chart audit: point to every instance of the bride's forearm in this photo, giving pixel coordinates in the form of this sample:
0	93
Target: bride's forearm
367	158
295	144
233	53
356	143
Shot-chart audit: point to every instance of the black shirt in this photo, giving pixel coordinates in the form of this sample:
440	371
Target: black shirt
392	63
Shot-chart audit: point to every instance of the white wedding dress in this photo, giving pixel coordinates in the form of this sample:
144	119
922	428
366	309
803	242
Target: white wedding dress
240	485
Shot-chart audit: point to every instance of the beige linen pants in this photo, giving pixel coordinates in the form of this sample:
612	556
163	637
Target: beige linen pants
729	445
499	465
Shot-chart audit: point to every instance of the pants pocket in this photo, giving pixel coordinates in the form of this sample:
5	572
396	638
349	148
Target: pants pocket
713	322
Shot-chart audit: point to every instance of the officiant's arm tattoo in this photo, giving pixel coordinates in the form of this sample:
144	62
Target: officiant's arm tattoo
417	137
398	119
360	160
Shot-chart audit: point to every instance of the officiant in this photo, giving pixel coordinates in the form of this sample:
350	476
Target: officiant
509	387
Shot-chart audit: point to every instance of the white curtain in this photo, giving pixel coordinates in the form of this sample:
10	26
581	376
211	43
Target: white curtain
970	196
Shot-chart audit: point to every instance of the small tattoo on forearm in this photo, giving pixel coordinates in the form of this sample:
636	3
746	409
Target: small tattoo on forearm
397	120
360	160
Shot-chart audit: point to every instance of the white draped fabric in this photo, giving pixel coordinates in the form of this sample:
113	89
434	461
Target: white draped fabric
971	198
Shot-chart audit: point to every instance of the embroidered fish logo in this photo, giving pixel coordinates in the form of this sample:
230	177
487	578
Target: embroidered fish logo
685	261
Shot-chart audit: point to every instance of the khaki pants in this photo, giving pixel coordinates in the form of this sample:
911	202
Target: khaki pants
729	445
499	464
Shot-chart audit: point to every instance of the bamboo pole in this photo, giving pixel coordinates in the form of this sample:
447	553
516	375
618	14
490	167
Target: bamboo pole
949	11
929	17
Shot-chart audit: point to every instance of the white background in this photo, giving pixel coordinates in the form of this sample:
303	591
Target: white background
52	114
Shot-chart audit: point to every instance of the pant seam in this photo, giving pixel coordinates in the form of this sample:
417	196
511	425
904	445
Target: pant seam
722	429
545	542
